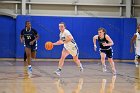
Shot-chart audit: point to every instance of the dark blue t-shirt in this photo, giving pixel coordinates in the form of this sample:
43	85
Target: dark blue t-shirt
29	35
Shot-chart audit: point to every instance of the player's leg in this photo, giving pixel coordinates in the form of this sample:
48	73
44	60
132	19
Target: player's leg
137	60
112	65
77	61
74	51
137	56
64	54
25	57
109	54
103	56
28	54
33	52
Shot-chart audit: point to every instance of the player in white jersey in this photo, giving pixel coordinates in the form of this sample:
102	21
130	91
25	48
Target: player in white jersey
70	47
136	39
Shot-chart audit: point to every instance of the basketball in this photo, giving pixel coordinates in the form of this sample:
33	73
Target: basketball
48	45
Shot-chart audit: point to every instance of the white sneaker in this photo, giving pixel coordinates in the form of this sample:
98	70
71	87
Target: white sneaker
57	72
30	70
81	69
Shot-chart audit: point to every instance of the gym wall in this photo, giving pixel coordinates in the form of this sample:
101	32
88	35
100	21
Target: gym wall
83	29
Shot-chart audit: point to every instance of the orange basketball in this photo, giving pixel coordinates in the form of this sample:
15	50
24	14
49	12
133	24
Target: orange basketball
49	45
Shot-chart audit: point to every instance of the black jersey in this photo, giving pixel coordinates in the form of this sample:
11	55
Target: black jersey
101	41
29	35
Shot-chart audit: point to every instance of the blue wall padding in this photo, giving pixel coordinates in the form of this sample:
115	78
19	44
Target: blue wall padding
83	29
7	37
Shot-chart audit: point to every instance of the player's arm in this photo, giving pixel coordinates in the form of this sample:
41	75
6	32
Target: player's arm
59	42
110	41
36	37
94	41
132	42
68	38
21	36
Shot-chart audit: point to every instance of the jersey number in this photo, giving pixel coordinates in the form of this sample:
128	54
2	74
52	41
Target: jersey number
28	37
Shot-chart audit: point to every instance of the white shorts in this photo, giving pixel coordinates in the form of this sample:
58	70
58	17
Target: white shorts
74	51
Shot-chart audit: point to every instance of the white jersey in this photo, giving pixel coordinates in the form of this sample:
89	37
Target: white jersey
63	37
137	46
71	46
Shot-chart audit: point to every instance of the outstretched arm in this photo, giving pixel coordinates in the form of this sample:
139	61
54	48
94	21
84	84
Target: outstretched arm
110	42
59	42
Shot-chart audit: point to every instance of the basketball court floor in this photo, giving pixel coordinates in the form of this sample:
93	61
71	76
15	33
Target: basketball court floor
14	78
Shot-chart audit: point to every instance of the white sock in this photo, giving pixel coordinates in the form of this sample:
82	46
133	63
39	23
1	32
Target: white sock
80	65
29	65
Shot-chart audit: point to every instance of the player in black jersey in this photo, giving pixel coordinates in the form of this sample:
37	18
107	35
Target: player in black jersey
29	36
105	43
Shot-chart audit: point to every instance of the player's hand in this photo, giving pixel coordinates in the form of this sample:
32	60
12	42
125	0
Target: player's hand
32	42
104	44
22	40
95	47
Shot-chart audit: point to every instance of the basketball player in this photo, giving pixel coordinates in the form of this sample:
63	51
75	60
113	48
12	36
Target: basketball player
70	47
105	43
136	39
30	37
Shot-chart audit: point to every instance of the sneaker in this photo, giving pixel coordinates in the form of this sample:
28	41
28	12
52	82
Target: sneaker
81	69
136	63
29	70
104	68
57	72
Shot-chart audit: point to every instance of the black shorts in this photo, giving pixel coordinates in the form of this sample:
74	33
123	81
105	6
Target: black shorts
32	47
109	52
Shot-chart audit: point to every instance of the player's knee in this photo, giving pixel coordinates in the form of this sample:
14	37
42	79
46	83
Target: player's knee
75	59
62	57
102	59
110	59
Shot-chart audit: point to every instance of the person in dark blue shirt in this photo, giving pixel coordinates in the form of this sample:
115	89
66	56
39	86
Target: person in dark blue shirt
105	43
29	36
